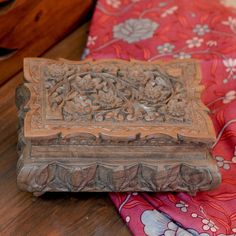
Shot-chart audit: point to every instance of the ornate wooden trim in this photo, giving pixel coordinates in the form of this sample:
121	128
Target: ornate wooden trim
118	175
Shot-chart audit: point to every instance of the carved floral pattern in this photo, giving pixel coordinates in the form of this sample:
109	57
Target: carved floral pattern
116	93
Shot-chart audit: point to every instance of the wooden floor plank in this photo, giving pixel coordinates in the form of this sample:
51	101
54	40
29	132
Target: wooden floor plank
53	213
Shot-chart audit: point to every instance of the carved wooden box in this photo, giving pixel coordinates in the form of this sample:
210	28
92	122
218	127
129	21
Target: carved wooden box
113	126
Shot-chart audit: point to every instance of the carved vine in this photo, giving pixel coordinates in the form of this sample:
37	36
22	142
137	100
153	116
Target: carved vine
115	93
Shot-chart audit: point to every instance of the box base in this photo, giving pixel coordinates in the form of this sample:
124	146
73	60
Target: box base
184	171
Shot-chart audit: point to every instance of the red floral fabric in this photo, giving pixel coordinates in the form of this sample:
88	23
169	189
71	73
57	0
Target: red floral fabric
169	29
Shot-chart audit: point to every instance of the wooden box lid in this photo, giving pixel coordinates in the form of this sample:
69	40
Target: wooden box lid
116	99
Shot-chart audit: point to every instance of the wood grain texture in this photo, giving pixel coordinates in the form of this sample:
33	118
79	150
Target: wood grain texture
113	126
53	214
30	27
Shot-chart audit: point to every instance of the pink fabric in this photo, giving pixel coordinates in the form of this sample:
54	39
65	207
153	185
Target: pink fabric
167	29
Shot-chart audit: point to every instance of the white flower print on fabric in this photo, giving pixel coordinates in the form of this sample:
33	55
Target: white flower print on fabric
91	40
114	3
229	96
211	43
222	163
225	81
230	65
127	219
201	29
156	223
194	42
231	22
209	225
182	55
169	11
165	48
134	30
182	206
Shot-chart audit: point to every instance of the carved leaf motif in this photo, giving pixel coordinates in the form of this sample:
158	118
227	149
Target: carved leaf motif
82	177
136	177
46	175
193	176
148	177
62	176
171	177
115	93
131	173
104	178
118	178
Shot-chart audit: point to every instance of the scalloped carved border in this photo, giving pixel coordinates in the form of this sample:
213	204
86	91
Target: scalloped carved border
53	176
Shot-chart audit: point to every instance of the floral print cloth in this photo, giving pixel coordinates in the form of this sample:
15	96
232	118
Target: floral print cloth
170	29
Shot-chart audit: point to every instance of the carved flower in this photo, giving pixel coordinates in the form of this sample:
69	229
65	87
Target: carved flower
176	109
108	99
157	90
55	73
55	70
137	75
150	116
56	98
152	91
134	30
77	106
83	83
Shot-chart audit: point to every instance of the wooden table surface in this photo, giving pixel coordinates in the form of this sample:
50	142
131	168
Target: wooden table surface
54	213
